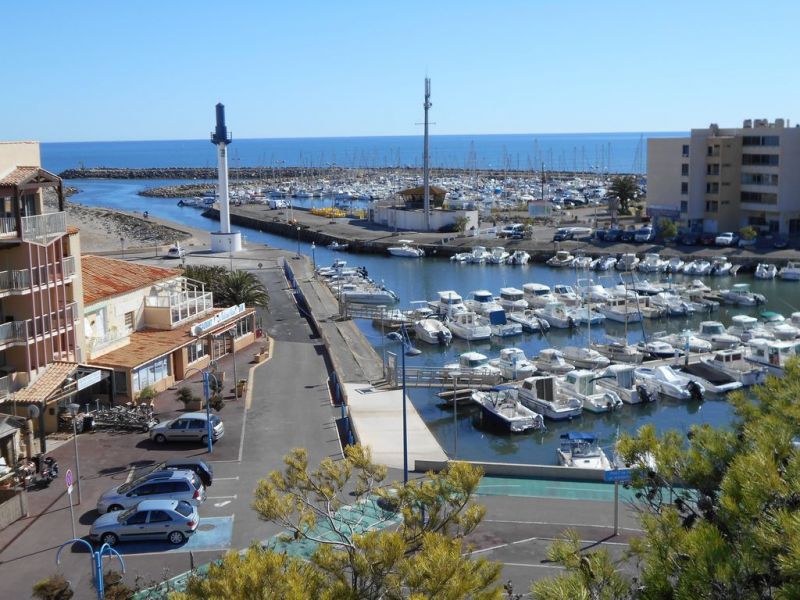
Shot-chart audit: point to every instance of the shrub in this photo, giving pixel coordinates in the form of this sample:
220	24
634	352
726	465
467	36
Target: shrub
217	403
667	229
187	396
54	587
147	393
748	233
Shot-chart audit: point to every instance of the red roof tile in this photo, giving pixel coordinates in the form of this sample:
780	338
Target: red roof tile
107	277
23	174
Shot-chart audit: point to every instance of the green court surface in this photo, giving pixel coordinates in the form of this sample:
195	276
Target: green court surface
548	488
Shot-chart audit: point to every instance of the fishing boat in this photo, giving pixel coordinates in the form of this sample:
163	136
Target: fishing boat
529	321
512	299
584	358
771	354
473	363
790	272
580	384
468	325
518	257
501	408
561	259
581	450
621	379
666	381
741	295
550	360
513	364
406	249
765	271
539	394
732	362
432	331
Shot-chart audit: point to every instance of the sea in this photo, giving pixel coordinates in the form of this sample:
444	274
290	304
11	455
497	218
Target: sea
584	152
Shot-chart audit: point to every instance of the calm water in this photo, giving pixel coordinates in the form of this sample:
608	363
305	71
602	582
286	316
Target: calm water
603	152
421	279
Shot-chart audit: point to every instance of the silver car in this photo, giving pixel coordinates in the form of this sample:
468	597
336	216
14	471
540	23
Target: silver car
190	427
171	520
165	485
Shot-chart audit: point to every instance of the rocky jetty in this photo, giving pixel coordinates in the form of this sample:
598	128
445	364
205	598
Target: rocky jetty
243	173
186	190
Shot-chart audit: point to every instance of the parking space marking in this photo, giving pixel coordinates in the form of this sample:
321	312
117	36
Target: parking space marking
222	497
213	533
545	539
604	526
226	478
221	504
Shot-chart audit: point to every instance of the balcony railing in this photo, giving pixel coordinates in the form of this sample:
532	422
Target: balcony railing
20	279
182	305
15	332
8	226
40	229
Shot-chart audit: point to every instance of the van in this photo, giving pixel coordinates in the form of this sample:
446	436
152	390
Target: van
515	231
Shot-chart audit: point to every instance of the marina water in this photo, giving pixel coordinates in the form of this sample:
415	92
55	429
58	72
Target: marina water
416	280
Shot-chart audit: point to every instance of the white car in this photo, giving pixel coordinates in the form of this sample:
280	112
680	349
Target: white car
726	238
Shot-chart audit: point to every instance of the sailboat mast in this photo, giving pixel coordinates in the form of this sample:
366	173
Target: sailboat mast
426	159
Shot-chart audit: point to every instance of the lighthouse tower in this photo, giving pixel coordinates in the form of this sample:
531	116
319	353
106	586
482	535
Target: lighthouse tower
224	240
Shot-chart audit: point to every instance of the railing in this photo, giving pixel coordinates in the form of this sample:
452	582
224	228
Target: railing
68	266
38	229
182	305
8	227
13	331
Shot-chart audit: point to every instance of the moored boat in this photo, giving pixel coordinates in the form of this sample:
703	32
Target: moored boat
581	450
501	408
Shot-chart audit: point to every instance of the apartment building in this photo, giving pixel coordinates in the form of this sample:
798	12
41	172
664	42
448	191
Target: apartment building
723	179
152	326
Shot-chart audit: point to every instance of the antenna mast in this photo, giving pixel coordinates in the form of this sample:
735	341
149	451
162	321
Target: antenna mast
426	159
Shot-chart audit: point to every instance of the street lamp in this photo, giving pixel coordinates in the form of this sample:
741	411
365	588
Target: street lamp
313	256
122	243
232	334
206	376
298	241
402	337
73	410
455	375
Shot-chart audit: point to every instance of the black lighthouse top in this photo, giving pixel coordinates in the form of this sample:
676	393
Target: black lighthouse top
220	134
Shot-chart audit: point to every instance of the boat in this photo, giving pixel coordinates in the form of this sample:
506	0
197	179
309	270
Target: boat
790	272
698	299
498	256
518	257
746	328
712	381
529	321
406	250
740	294
562	259
732	362
567	295
512	299
697	267
500	325
621	379
605	263
593	292
501	408
765	271
473	363
482	302
175	251
461	257
468	325
537	294
539	394
657	349
720	266
339	268
337	246
619	351
674	265
673	304
587	316
621	310
580	384
584	358
627	262
685	340
365	292
646	288
449	303
666	381
781	328
652	263
550	360
580	450
432	331
478	255
394	318
513	364
557	315
581	262
715	332
771	354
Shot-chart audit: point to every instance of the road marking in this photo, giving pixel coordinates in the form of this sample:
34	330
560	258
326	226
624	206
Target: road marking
545	539
501	485
130	474
559	524
534	565
221	504
226	478
222	497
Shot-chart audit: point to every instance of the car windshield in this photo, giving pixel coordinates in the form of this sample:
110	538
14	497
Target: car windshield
126	487
184	508
125	514
215	420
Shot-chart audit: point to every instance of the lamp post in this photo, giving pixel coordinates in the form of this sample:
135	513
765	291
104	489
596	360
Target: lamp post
73	410
403	342
230	253
232	334
313	255
298	241
97	561
455	375
206	376
122	243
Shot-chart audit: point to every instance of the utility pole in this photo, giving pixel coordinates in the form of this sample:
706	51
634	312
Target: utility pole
426	158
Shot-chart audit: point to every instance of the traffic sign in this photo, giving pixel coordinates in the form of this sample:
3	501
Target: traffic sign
69	481
618	475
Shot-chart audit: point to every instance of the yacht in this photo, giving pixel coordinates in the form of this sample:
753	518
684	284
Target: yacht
557	315
720	266
539	394
621	310
432	331
478	255
482	302
746	328
715	332
537	294
513	364
512	299
562	259
550	360
498	256
772	355
606	263
765	271
652	263
529	321
697	267
666	381
584	358
567	295
619	351
620	379
791	271
501	408
712	381
674	265
580	384
627	262
449	303
500	325
732	362
518	257
740	294
473	363
468	325
580	450
406	250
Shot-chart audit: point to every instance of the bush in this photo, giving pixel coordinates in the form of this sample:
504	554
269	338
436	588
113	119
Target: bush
216	402
147	393
667	229
748	233
115	589
54	587
187	396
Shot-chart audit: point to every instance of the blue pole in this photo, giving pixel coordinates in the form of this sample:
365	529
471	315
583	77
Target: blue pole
208	411
405	427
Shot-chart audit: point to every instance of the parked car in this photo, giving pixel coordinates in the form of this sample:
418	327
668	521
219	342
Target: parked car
627	236
707	239
727	238
645	234
200	467
515	230
170	485
190	427
170	520
690	239
609	235
565	233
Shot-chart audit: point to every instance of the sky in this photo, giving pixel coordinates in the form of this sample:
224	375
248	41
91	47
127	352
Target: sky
90	70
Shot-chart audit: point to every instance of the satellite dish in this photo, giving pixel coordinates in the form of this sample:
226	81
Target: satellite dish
33	411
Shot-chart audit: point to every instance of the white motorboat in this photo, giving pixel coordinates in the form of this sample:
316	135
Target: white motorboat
468	325
539	394
621	310
732	362
697	299
518	257
620	379
664	380
619	351
337	246
482	302
406	249
513	364
772	355
473	363
339	268
781	328
584	358
567	295
673	304
580	384
606	263
746	328
674	265
478	255
550	360
765	271
740	294
512	299
581	262
432	331
593	292
791	271
720	266
715	332
500	325
580	450
652	263
587	316
501	408
175	251
646	288
562	259
712	381
537	294
365	292
680	340
657	349
697	267
461	257
529	321
449	303
498	256
557	315
627	262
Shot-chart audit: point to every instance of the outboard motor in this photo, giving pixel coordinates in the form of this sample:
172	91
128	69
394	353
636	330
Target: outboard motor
644	394
570	322
442	338
695	391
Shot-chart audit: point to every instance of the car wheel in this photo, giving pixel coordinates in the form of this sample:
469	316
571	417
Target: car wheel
204	440
176	537
160	438
109	538
114	507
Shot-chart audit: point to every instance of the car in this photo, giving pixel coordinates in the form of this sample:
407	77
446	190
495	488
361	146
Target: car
689	239
512	231
609	235
627	236
645	234
707	239
200	467
175	251
167	485
565	233
189	427
170	520
726	238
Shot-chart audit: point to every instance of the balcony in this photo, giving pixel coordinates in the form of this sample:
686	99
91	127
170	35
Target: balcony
22	332
181	306
20	280
36	229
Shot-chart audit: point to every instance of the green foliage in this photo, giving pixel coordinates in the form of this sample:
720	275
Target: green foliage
114	588
212	277
461	224
187	396
667	228
748	233
241	287
54	587
147	393
217	402
625	189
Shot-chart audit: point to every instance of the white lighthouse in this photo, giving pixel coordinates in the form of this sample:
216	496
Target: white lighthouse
224	240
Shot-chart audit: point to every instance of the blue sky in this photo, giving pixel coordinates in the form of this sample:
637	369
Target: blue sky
92	70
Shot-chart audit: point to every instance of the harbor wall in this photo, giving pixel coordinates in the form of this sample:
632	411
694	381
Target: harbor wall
520	470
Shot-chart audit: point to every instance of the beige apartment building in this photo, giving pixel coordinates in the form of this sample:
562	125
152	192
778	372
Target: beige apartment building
723	179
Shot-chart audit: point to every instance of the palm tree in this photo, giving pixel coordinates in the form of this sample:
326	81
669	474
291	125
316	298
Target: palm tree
625	189
241	287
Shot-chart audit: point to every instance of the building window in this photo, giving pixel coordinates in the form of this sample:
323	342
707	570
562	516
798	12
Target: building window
684	170
684	206
684	187
766	160
129	321
760	178
712	187
712	169
196	351
151	373
120	382
685	150
759	197
243	327
761	140
712	206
